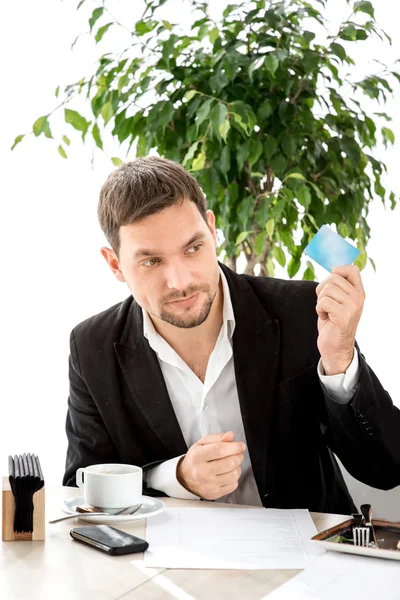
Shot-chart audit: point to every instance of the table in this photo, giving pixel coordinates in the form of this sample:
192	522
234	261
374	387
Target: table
61	568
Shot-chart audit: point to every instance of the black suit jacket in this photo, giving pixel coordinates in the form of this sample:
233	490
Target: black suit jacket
119	409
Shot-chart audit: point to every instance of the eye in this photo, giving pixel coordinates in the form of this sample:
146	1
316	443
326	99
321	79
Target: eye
150	262
195	249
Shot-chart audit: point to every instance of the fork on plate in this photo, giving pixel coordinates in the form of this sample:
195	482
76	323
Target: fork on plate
363	530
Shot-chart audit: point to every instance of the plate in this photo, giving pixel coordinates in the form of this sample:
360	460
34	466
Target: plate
387	535
150	507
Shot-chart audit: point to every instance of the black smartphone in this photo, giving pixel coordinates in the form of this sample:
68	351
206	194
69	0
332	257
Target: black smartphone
109	539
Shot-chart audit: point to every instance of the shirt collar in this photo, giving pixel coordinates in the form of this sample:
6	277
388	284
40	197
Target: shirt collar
228	325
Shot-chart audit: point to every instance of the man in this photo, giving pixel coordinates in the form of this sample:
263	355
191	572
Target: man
221	386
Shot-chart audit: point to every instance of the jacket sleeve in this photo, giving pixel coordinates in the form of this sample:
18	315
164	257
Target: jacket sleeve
89	442
365	432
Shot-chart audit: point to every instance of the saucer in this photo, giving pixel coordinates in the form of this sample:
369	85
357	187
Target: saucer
150	507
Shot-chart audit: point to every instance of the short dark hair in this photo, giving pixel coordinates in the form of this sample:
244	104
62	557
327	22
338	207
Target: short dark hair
143	187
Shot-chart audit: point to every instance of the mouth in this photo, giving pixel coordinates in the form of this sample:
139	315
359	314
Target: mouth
185	302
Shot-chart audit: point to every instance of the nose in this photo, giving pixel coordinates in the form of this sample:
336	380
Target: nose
178	276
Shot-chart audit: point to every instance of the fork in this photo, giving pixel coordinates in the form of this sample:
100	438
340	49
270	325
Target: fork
366	510
360	531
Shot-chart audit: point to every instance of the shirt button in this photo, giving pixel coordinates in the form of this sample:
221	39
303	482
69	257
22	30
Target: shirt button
205	406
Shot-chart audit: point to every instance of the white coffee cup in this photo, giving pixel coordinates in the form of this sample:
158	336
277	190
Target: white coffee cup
111	486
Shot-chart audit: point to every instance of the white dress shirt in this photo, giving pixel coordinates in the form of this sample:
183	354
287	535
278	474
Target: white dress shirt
213	406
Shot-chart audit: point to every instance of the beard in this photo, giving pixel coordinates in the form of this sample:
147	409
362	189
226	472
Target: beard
187	321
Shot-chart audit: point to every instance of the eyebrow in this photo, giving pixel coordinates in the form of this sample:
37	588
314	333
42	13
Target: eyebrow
199	235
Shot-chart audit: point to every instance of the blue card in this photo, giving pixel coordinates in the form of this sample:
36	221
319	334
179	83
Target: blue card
330	250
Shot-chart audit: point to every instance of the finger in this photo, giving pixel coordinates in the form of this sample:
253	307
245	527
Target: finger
213	438
224	465
228	489
337	280
352	274
336	293
228	478
327	307
211	452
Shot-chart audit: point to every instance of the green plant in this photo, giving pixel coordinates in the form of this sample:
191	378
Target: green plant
256	109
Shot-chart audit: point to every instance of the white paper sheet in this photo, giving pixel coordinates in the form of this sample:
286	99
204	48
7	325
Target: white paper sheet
336	575
230	538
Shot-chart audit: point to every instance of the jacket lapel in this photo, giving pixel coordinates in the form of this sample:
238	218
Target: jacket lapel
256	343
142	372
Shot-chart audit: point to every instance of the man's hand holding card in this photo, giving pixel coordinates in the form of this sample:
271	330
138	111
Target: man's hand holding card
340	299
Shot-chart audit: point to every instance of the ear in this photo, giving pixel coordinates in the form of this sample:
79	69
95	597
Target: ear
211	225
113	263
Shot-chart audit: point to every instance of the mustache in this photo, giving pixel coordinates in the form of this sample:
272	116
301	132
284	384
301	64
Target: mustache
191	291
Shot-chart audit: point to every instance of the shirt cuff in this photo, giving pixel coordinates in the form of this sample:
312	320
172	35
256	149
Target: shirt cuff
341	386
163	478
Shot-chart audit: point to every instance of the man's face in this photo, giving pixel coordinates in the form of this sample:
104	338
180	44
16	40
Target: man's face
169	262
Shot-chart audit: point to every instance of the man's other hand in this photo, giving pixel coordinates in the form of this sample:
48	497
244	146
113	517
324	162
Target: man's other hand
211	467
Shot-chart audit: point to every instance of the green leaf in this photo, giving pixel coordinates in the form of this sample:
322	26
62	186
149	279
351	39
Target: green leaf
191	152
280	255
167	25
77	121
96	136
365	7
213	35
255	65
289	145
242	236
242	154
199	162
318	191
256	149
271	63
238	119
66	140
57	91
17	140
361	259
295	176
62	152
293	266
309	273
41	125
259	243
265	110
340	539
225	162
388	135
270	145
107	112
270	267
312	220
143	27
203	111
270	226
304	196
96	14
116	161
348	33
338	50
224	129
218	116
100	33
343	230
373	264
309	36
189	95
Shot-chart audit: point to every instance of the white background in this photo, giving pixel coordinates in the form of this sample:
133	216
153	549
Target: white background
52	274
